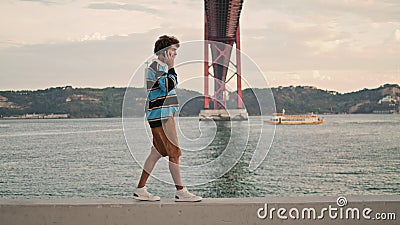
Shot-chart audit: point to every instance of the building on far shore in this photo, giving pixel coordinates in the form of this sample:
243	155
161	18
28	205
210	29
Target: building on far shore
39	116
388	99
388	105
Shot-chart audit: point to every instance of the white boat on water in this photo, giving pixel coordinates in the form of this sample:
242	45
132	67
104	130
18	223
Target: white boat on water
282	119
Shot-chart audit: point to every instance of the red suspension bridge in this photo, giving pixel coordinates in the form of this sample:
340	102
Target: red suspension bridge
222	35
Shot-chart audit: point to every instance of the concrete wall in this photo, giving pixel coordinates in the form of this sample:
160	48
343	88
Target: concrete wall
209	211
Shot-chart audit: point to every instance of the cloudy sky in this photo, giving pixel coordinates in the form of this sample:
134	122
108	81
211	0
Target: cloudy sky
341	45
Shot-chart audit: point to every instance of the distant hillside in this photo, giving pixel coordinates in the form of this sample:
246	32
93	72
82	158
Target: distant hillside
83	102
107	102
300	99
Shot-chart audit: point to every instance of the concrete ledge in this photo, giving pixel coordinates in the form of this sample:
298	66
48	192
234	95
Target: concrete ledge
209	211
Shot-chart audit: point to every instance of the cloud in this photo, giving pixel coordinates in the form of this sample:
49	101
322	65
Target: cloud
68	21
292	38
122	6
328	35
373	10
397	34
110	62
317	75
95	36
294	76
39	1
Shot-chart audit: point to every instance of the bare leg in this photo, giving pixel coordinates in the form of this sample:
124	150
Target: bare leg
175	172
151	161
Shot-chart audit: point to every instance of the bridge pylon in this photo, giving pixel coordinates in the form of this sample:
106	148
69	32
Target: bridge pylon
221	36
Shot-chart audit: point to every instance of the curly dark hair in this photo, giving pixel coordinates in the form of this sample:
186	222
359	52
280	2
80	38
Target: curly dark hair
164	42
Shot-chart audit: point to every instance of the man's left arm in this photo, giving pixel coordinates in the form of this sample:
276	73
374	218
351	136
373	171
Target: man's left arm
172	80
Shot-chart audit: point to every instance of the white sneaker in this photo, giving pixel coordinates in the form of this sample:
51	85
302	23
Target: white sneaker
143	195
184	195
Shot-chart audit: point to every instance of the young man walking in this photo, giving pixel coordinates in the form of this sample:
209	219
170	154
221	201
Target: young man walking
162	80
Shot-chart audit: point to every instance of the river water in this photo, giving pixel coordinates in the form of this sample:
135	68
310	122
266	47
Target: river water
91	158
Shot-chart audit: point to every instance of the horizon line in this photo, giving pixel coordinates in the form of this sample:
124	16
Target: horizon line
382	85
